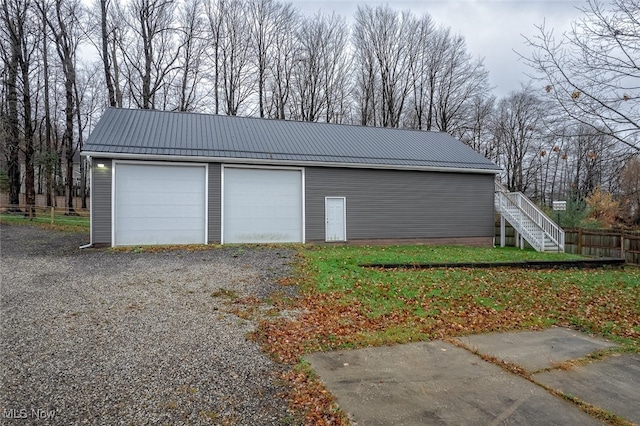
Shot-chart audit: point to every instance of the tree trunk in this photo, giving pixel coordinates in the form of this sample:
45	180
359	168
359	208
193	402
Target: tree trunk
116	73
13	31
49	159
83	188
13	157
68	136
105	53
148	61
29	152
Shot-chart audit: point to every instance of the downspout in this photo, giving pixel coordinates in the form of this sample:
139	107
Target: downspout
90	205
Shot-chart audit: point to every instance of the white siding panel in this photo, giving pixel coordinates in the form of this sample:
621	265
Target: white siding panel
262	205
159	204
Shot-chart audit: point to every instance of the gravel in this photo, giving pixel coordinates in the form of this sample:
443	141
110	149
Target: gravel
102	337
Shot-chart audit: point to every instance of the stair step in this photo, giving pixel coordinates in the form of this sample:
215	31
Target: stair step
522	223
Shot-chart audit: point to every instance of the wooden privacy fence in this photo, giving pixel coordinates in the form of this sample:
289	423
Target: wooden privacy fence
614	243
618	243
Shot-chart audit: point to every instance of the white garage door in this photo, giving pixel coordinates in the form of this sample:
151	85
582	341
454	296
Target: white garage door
159	204
262	205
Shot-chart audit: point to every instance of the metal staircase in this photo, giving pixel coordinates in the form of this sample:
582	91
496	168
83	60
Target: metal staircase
529	222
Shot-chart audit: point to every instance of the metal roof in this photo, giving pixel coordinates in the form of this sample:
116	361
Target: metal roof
128	133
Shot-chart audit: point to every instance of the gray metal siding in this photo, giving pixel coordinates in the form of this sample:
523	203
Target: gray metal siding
393	204
215	203
101	200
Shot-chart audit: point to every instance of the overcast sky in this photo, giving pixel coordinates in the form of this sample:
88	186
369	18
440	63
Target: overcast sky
493	29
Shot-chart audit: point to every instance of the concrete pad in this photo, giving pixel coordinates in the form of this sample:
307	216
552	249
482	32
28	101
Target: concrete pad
612	384
436	383
536	350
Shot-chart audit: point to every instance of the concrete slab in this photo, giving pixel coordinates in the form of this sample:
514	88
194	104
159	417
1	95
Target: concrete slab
436	383
536	350
612	384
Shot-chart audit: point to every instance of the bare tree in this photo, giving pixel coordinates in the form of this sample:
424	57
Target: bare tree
460	80
367	85
47	154
149	49
87	97
14	19
263	16
64	24
476	130
190	62
20	48
308	70
336	70
107	30
284	52
29	49
215	10
116	35
554	171
594	161
235	55
319	62
412	74
517	133
387	34
592	71
424	50
438	47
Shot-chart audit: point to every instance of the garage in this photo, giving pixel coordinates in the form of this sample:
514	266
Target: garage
262	205
162	177
159	204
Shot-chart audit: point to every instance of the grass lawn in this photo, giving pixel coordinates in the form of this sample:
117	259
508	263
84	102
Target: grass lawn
345	305
429	254
61	222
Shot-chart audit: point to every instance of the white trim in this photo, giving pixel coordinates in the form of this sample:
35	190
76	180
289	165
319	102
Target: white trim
344	218
90	200
259	166
113	203
221	204
206	203
245	166
304	213
292	163
115	162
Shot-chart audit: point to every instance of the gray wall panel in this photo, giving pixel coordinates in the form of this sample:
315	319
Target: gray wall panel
394	204
101	200
381	204
214	203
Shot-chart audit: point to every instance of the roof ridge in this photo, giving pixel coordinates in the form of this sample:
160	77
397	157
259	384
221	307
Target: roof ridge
279	120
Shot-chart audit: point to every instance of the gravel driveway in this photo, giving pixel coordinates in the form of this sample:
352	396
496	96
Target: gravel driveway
101	337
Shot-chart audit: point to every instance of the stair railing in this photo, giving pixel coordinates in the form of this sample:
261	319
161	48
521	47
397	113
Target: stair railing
524	206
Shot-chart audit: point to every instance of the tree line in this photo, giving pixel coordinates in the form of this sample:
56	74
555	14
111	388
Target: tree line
63	62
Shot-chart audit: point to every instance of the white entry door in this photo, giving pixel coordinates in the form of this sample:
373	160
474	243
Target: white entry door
335	210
